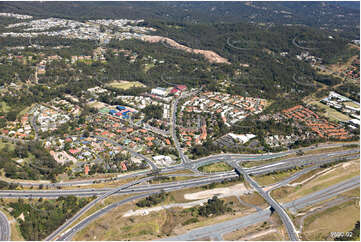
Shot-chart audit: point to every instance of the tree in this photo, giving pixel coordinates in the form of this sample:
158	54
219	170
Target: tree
11	116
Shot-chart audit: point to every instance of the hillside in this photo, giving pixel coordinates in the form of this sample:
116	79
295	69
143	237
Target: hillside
327	15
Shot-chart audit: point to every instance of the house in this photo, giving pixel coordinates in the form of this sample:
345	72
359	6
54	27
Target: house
174	90
159	91
181	87
86	169
124	167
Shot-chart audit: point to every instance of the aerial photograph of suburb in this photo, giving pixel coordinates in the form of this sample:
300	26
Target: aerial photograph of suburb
179	120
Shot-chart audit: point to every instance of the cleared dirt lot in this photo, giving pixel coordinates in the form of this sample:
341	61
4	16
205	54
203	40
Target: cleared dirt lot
236	190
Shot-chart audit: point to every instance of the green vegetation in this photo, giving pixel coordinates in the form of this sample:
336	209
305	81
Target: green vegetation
275	176
333	163
228	181
38	219
216	167
153	111
331	113
37	162
190	221
152	200
214	207
7	186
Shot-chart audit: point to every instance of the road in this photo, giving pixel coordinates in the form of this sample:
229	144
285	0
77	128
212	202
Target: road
316	160
5	230
149	161
219	229
33	123
303	161
135	189
301	47
177	185
67	235
90	205
173	132
291	229
192	166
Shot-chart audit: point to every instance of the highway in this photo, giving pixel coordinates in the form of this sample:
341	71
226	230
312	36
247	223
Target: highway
253	157
318	160
5	230
217	177
291	230
67	235
125	190
179	186
167	187
304	161
193	166
71	231
90	205
219	229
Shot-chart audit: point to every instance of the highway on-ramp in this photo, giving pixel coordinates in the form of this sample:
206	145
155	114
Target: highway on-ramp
90	205
5	230
219	229
291	230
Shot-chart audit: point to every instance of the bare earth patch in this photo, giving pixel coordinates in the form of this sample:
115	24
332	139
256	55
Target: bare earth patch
236	190
201	198
209	55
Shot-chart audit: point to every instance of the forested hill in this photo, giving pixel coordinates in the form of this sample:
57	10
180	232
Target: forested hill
342	17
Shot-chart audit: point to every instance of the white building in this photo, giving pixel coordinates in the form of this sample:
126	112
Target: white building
242	138
159	91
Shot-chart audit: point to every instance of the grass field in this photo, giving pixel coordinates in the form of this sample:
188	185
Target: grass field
147	67
23	112
331	113
4	107
274	178
173	221
319	225
250	164
215	167
340	173
113	226
9	145
271	229
178	172
351	104
125	85
100	205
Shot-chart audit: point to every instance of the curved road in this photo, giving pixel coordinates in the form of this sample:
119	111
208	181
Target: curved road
291	229
217	230
90	205
5	231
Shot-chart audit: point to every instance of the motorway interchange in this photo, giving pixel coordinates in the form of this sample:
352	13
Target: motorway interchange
140	187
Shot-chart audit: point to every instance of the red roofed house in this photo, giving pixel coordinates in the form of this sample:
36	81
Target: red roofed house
124	167
174	90
86	169
73	151
181	87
